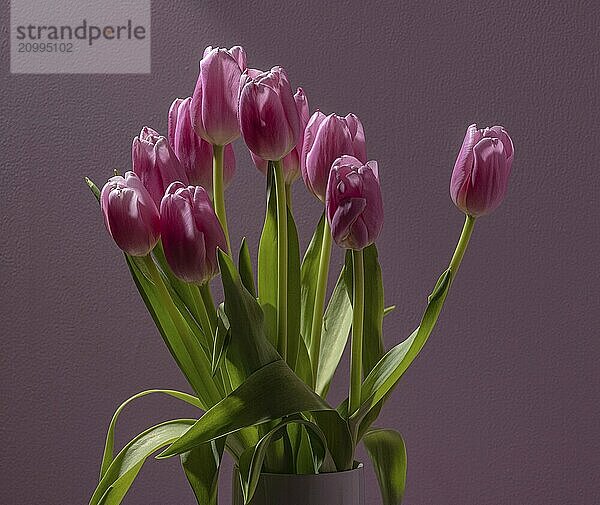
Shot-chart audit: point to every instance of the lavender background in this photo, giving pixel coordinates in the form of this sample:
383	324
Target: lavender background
502	406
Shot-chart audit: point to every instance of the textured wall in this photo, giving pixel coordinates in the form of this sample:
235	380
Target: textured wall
502	406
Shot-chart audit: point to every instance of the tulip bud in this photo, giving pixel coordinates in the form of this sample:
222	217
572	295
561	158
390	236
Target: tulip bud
191	233
268	116
130	214
194	153
326	138
354	205
155	163
481	172
291	162
216	96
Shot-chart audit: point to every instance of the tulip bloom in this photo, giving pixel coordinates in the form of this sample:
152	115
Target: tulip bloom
326	138
191	233
291	162
194	153
214	108
354	205
269	119
155	163
482	169
130	214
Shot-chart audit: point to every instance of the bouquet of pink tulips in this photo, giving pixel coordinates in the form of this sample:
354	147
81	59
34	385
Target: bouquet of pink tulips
261	362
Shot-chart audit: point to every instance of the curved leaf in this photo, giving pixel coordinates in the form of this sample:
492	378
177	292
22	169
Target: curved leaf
121	473
334	336
201	466
107	457
308	280
270	393
245	267
251	463
390	368
388	454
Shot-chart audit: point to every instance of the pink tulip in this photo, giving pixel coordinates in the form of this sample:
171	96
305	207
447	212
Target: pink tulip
155	163
354	205
194	153
130	214
191	233
291	162
268	115
326	138
482	169
215	101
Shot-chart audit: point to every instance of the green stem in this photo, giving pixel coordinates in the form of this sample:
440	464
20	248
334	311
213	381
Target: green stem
282	260
288	195
219	191
461	247
204	319
211	392
358	308
209	304
317	316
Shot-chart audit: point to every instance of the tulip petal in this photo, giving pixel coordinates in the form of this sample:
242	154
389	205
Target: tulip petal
345	216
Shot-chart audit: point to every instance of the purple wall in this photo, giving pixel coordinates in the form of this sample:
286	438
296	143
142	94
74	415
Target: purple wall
502	406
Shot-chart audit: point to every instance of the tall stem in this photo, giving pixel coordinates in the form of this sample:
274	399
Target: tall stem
282	260
461	247
317	317
288	194
358	308
219	191
202	312
209	304
212	393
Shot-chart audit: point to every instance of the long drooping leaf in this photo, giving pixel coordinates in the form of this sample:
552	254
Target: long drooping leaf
338	435
308	280
390	368
245	267
334	336
270	393
267	263
248	348
251	462
201	466
222	339
108	456
293	297
121	473
388	454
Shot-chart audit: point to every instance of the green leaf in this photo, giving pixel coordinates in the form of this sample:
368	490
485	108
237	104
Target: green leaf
222	339
122	472
245	267
272	392
389	309
251	463
308	280
107	457
201	466
388	454
390	368
334	335
303	365
293	297
95	190
267	262
248	348
338	435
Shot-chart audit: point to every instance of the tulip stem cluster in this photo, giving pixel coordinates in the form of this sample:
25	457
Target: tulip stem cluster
358	309
462	244
219	191
317	319
282	259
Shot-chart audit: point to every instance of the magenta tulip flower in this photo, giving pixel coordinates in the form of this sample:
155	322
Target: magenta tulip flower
269	119
130	214
291	162
354	205
482	169
195	154
326	138
191	233
215	100
155	163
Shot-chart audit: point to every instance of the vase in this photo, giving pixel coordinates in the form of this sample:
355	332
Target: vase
339	488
